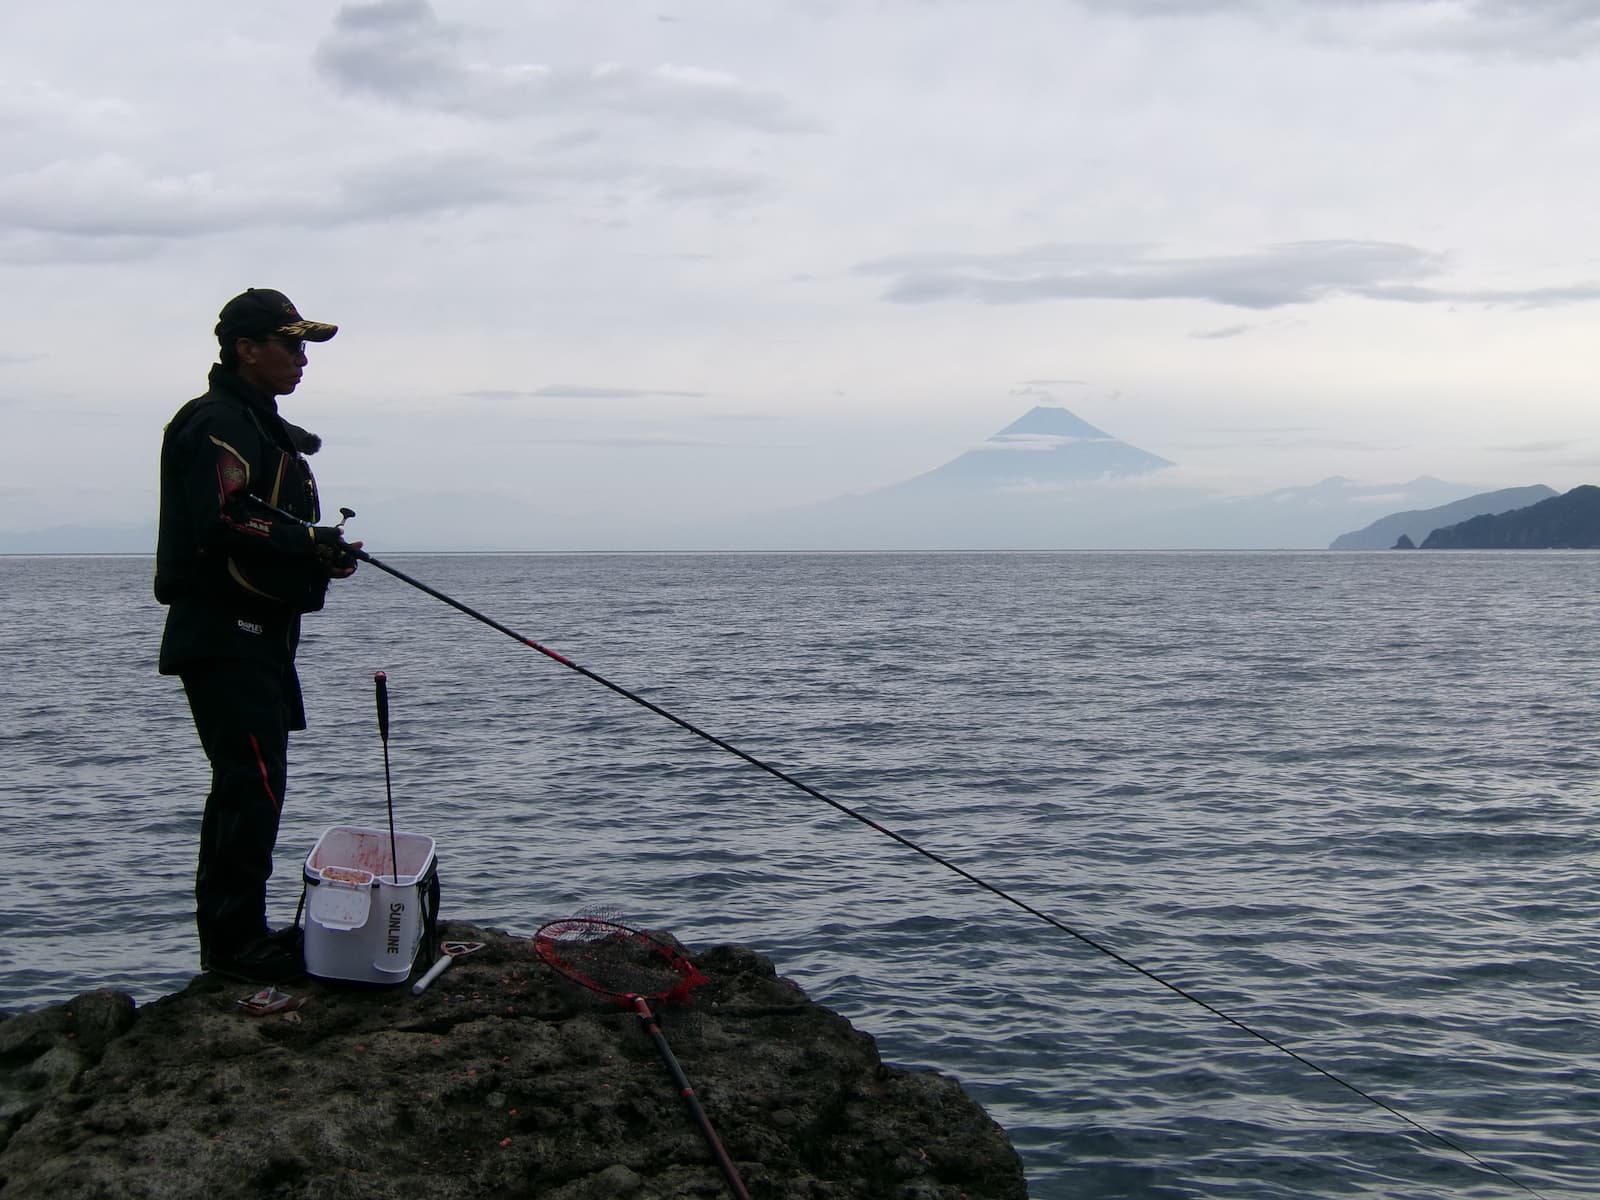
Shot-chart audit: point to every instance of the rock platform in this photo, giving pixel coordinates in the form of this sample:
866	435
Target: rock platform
503	1079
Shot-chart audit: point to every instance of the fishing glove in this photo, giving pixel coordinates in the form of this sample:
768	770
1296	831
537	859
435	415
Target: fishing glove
332	550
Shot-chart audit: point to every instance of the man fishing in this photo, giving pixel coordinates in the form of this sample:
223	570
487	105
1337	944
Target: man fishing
239	558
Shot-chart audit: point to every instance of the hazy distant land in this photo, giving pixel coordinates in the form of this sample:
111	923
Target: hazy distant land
1570	521
1382	534
1047	481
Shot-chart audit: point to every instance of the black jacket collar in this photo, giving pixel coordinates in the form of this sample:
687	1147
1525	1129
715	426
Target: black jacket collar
230	383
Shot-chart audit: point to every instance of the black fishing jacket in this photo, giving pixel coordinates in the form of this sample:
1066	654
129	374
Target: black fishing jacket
234	574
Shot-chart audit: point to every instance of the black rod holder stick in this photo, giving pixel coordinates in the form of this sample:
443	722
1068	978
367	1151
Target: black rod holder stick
381	681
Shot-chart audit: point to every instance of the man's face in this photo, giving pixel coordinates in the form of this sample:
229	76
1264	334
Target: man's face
273	364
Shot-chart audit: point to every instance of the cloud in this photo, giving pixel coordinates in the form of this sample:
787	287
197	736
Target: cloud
399	51
91	198
112	199
22	248
706	183
419	185
109	195
393	48
1280	275
1255	430
1491	28
35	106
1378	499
745	418
1171	8
578	391
1035	441
1227	331
642	441
1044	392
128	212
1550	447
1159	479
1547	297
1522	28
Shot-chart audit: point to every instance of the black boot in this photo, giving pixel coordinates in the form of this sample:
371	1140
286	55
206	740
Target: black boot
270	959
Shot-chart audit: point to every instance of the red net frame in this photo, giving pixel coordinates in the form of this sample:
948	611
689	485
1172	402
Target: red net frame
616	961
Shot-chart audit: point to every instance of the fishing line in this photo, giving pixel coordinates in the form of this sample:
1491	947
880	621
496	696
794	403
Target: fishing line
778	773
841	807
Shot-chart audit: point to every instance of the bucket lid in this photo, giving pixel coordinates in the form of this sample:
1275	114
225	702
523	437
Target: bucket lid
340	906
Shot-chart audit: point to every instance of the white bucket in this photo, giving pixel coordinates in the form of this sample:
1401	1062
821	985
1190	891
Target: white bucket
364	924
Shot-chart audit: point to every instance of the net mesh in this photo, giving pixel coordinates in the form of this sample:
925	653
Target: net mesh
616	961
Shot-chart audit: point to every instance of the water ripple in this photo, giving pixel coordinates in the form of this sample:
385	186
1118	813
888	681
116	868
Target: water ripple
1348	799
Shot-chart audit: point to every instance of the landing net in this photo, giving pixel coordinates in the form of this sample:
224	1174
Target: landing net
616	961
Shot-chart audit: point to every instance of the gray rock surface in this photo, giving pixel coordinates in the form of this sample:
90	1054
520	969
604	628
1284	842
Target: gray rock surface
502	1080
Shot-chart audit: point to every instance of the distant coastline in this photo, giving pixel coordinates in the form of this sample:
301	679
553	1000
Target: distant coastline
1570	521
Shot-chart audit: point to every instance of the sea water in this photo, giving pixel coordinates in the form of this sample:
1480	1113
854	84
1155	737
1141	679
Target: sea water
1347	799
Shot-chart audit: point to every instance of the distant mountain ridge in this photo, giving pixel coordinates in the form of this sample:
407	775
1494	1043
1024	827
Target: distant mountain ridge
1570	521
1047	481
1382	534
1044	447
1052	481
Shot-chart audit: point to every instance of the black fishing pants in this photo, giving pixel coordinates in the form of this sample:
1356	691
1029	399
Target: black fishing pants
243	711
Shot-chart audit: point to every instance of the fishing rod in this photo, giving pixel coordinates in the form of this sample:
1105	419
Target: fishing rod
854	814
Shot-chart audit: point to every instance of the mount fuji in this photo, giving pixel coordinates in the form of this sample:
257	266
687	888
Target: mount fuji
1043	447
1052	481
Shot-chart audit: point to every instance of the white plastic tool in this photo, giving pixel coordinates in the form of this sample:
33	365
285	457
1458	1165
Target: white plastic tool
451	951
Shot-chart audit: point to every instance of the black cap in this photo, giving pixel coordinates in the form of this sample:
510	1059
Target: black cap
262	312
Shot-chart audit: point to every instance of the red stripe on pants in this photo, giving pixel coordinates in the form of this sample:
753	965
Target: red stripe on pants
266	780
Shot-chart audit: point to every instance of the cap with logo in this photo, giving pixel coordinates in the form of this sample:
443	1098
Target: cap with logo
263	312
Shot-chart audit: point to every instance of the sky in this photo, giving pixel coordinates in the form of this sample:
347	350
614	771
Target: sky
600	258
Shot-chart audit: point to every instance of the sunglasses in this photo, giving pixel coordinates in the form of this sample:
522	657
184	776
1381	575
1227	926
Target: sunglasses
294	346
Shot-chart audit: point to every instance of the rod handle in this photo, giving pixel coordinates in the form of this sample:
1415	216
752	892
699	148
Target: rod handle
434	972
382	682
